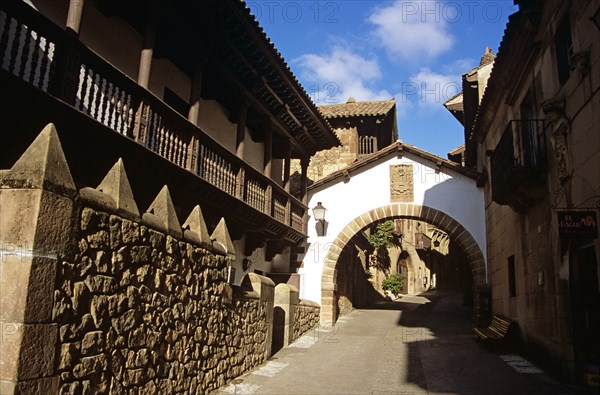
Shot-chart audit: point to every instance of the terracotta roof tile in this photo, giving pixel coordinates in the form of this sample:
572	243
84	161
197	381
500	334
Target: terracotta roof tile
361	108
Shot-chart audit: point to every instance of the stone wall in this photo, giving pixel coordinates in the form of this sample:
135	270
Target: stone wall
97	297
354	287
306	318
325	162
293	316
139	309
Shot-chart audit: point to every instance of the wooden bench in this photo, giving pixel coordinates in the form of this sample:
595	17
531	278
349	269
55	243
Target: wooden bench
497	329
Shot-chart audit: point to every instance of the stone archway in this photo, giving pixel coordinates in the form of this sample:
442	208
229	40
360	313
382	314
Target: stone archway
455	231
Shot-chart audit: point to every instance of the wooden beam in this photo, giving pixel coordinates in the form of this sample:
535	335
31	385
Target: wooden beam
304	162
195	94
74	16
286	168
147	53
268	157
241	129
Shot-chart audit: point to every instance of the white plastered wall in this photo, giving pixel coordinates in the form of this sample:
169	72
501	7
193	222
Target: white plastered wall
450	192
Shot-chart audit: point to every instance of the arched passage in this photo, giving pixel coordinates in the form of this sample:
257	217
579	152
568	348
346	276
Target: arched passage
455	231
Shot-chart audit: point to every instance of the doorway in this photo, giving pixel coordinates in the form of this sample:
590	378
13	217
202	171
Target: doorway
586	313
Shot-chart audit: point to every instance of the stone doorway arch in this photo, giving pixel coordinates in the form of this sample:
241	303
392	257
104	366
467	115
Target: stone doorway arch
453	228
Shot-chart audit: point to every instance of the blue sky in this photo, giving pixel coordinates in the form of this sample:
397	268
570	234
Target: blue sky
414	51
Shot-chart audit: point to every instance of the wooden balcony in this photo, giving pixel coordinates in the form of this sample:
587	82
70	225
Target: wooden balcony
53	63
422	241
519	164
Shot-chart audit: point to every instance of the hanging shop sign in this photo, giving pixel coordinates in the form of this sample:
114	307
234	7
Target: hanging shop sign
577	224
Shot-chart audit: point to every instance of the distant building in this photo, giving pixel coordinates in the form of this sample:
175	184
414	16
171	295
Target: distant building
363	127
464	106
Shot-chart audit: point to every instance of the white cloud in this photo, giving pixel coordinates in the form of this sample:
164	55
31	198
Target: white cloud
460	66
412	31
428	90
332	77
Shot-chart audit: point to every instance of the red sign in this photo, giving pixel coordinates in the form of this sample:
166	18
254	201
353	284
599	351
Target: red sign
577	224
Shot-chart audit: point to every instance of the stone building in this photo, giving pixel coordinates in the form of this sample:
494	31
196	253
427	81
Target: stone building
363	127
424	254
534	135
122	119
432	199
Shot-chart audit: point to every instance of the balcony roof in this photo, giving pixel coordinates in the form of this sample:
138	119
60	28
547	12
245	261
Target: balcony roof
224	35
91	154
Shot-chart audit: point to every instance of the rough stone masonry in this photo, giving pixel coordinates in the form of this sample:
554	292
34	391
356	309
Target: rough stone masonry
98	298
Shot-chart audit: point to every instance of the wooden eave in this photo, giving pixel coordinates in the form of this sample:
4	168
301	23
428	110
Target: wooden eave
224	33
280	78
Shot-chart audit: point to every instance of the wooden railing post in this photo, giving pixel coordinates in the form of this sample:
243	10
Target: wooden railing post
269	201
288	211
140	129
240	184
287	166
192	154
68	64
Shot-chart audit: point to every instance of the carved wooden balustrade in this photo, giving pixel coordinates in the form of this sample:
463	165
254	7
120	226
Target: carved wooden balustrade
42	54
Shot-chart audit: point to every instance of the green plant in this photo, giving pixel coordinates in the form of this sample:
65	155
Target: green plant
384	235
393	284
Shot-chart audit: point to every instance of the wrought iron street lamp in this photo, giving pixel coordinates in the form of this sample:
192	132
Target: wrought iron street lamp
319	214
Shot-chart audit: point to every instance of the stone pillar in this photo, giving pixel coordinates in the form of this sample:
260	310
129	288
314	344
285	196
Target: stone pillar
74	16
329	306
286	303
36	197
265	288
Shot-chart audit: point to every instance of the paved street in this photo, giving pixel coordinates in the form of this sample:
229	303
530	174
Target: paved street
419	345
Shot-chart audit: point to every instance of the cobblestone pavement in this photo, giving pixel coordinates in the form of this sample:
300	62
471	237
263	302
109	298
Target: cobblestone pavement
417	345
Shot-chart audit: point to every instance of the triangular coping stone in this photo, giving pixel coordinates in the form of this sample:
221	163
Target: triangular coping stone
42	165
221	236
116	185
195	228
163	209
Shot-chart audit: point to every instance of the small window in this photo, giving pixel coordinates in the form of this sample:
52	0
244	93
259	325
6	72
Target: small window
563	43
512	286
367	145
176	102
